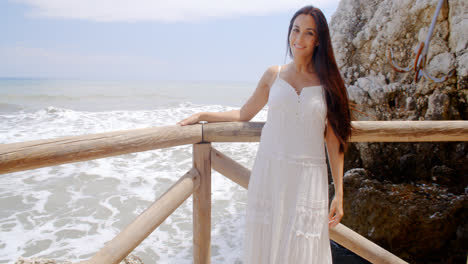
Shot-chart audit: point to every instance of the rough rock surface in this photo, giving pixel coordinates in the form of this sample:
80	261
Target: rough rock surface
420	223
363	31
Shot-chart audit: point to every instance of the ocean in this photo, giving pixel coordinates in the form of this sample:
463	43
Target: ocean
68	212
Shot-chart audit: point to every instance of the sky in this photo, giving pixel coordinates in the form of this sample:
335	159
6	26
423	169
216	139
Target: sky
222	40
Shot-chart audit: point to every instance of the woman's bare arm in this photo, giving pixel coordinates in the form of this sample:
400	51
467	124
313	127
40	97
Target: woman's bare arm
336	160
336	164
253	105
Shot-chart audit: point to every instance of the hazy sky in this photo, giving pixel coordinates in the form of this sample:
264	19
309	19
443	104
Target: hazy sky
146	39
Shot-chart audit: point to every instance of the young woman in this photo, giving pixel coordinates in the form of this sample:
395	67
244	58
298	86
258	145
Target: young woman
287	207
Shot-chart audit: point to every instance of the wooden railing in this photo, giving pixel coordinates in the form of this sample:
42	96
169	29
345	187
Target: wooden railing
197	181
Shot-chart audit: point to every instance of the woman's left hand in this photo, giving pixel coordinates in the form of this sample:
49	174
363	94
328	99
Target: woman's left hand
336	212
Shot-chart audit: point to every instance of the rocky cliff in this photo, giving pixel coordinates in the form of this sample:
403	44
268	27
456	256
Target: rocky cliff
363	31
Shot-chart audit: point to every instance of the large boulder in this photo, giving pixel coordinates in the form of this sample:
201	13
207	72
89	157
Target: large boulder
420	223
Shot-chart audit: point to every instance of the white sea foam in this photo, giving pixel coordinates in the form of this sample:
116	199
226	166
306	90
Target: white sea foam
70	211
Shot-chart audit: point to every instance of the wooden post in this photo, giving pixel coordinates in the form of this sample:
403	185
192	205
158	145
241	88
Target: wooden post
202	205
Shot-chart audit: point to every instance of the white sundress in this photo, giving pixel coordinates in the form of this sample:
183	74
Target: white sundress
287	207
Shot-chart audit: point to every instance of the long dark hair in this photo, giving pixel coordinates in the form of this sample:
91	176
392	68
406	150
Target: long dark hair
323	59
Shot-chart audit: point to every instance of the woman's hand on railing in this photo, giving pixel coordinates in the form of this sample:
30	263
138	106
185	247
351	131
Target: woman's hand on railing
227	116
193	119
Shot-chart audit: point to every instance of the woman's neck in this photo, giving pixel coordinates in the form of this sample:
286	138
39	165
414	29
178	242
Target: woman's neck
302	66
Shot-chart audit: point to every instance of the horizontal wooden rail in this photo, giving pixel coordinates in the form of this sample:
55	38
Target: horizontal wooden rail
364	131
50	152
119	247
232	131
410	131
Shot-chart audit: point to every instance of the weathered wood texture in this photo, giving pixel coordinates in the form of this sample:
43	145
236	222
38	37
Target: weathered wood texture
230	168
202	205
364	131
232	131
410	131
363	247
118	248
50	152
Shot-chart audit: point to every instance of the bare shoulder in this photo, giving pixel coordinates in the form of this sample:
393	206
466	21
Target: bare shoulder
269	76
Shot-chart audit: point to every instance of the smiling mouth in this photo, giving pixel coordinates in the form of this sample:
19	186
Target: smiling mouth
298	46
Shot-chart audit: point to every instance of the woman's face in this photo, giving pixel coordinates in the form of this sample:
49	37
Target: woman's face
303	37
